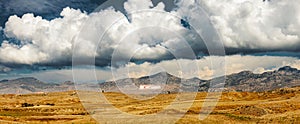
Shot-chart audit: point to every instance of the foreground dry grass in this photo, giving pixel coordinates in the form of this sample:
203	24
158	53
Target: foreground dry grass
280	106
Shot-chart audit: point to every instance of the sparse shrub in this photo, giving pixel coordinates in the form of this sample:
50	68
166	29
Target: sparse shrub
27	105
50	104
81	113
244	118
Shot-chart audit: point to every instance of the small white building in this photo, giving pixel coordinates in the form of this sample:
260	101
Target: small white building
150	87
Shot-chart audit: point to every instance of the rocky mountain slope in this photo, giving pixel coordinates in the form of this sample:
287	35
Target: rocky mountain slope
243	81
248	81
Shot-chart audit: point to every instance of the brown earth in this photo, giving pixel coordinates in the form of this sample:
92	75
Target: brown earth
279	106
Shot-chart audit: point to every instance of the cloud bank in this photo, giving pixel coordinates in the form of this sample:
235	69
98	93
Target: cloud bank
244	26
234	64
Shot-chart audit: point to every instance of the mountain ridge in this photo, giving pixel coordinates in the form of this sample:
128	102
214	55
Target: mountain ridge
245	81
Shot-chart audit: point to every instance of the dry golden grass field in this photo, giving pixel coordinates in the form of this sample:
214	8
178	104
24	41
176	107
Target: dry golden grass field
279	106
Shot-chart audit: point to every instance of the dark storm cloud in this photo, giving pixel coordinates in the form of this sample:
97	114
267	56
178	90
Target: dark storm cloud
48	9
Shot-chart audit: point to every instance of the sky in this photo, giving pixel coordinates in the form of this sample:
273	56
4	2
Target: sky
42	39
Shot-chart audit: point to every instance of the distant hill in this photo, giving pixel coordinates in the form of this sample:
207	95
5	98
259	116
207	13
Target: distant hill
32	85
245	81
168	83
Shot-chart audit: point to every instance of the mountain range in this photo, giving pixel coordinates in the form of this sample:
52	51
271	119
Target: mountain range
245	81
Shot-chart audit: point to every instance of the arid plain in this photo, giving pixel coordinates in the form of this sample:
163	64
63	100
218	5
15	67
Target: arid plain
277	106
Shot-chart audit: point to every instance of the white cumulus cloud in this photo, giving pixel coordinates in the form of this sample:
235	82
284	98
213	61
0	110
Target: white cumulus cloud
254	24
149	32
141	35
